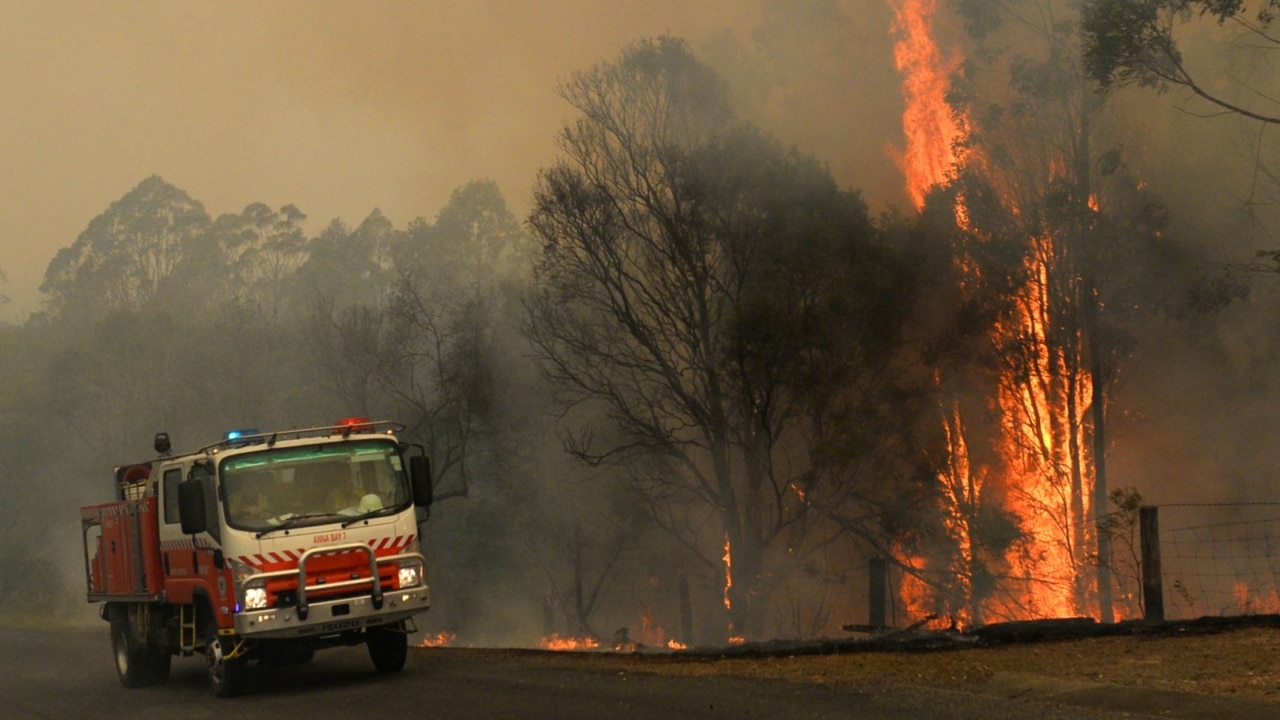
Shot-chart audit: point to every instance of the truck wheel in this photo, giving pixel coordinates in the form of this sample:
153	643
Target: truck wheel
226	677
130	663
388	647
137	664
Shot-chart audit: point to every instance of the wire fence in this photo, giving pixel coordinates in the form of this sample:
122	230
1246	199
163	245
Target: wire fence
1220	559
1180	561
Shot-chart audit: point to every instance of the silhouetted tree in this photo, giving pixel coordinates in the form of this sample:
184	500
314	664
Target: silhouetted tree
1132	42
349	266
125	256
474	244
252	257
709	293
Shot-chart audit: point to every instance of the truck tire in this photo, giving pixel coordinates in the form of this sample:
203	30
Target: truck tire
226	676
137	664
388	647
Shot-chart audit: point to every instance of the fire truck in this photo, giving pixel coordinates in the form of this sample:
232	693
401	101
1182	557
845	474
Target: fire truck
262	548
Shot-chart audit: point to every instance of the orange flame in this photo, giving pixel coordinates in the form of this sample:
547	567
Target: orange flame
1041	397
1250	603
728	573
555	642
652	634
1046	449
931	130
444	638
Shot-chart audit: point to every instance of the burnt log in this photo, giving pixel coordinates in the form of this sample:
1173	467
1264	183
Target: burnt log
1035	630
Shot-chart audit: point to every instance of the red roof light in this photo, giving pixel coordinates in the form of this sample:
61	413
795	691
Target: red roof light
355	424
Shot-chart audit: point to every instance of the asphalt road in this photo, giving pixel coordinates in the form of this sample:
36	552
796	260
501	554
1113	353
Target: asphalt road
69	673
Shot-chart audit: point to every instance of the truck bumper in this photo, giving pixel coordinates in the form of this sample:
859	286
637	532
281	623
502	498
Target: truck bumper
327	617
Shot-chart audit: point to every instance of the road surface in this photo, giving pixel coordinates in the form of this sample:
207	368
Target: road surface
50	674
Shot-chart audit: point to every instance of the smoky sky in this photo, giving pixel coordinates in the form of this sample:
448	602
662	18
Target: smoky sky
341	108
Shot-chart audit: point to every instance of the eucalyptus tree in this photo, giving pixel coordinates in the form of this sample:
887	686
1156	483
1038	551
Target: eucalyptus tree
1137	42
127	255
347	266
252	257
1060	240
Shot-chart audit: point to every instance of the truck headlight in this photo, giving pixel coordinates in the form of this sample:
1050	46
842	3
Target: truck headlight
410	573
252	591
255	596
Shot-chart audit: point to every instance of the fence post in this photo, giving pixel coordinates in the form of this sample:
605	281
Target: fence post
877	584
1152	583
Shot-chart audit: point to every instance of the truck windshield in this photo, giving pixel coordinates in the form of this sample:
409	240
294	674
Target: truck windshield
321	483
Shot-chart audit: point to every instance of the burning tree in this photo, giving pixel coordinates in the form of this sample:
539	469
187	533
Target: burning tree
1055	246
720	303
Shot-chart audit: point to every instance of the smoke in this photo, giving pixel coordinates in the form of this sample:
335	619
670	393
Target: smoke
341	109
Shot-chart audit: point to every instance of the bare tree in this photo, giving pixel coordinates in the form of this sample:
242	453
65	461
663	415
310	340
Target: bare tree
702	289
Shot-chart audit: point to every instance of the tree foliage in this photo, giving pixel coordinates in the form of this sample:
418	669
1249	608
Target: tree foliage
1134	42
126	258
251	258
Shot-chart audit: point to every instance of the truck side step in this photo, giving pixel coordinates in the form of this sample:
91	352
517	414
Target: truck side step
187	628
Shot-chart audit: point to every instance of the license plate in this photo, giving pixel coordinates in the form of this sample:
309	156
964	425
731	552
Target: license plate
340	626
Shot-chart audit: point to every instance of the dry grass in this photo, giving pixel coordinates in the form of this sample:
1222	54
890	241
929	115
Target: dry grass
1242	662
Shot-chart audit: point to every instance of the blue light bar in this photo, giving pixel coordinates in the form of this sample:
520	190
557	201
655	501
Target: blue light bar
237	434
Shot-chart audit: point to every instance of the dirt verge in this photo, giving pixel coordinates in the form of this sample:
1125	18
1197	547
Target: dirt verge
1209	668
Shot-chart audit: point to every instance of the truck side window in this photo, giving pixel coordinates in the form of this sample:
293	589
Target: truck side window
201	472
172	477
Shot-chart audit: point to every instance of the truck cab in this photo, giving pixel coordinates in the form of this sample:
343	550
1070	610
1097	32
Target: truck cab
262	547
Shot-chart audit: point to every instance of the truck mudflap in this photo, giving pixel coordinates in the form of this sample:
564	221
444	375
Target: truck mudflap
371	605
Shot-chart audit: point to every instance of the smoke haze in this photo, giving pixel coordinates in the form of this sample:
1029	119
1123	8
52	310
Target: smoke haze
340	109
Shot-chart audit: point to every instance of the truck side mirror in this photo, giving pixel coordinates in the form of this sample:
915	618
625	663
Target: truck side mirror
420	478
191	510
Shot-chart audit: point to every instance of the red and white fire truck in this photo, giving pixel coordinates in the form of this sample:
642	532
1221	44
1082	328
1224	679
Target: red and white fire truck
263	547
